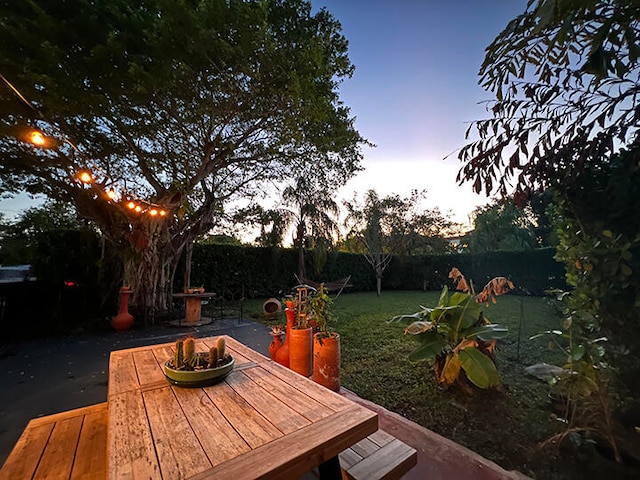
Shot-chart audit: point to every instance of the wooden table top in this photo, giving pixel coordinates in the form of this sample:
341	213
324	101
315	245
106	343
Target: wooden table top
194	295
262	421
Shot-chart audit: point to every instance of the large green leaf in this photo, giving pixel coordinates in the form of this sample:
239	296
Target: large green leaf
479	368
458	317
458	297
444	297
432	344
492	331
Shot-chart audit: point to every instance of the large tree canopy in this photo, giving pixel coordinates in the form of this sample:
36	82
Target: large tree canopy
180	104
565	76
501	226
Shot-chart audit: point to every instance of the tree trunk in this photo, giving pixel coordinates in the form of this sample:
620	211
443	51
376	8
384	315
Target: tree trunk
150	264
187	264
299	241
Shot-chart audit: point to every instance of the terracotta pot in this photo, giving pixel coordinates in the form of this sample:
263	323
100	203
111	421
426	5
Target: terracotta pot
326	361
271	308
123	321
275	344
282	355
301	351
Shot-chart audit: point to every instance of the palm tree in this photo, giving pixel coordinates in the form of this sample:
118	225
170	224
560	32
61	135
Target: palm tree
309	207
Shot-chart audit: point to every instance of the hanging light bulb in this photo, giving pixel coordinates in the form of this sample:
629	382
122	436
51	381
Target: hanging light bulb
162	213
138	208
111	194
85	177
153	212
37	138
131	205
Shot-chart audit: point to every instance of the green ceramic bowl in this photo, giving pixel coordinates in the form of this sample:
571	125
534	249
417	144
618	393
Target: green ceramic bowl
198	378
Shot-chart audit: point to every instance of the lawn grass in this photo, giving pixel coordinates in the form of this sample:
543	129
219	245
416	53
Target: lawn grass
505	425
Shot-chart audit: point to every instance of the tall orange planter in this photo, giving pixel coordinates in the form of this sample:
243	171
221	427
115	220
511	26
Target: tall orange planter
282	353
301	351
326	361
123	321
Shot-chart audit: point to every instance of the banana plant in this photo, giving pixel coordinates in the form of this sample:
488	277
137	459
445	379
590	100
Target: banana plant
458	337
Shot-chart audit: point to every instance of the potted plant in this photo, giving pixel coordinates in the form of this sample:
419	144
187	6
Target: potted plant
277	331
457	336
326	342
301	341
189	368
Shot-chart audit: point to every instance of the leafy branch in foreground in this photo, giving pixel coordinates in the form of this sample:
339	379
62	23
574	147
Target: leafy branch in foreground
565	79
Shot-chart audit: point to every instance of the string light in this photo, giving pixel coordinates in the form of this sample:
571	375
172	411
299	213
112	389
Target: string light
85	177
39	139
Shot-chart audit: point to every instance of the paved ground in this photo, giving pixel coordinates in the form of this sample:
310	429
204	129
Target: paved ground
44	376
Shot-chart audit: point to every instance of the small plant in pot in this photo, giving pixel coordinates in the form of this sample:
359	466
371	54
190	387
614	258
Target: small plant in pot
189	368
326	342
301	342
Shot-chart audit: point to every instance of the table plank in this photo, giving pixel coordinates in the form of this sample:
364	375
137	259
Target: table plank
26	454
271	407
57	459
90	458
122	373
290	396
252	427
285	459
327	397
147	367
131	449
179	452
218	438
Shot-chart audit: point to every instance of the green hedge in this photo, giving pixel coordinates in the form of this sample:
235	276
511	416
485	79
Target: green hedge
532	271
264	272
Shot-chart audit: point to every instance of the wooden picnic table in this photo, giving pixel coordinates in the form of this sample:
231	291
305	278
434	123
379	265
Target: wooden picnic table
262	421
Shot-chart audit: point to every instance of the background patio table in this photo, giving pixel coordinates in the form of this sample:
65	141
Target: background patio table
193	309
262	421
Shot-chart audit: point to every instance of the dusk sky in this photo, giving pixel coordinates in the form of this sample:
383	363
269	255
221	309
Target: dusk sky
413	92
415	89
